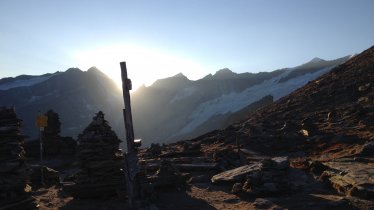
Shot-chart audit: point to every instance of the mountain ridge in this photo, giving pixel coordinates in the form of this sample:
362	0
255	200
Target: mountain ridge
170	109
188	106
74	94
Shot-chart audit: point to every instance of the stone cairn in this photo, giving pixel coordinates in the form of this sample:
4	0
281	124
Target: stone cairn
14	190
100	161
263	178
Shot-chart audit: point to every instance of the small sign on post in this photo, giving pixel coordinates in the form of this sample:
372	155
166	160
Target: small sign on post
41	122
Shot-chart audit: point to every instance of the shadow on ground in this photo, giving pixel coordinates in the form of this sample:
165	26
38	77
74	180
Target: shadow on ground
180	200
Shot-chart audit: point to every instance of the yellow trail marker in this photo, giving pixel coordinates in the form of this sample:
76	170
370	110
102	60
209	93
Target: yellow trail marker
41	121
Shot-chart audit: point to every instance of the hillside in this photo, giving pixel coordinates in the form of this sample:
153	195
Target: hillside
312	149
191	108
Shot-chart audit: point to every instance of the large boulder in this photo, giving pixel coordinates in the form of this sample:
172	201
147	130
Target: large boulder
350	178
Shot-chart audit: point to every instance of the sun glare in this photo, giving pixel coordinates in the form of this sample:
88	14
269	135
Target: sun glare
144	65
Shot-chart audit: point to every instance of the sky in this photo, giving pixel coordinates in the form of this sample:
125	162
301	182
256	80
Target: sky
161	38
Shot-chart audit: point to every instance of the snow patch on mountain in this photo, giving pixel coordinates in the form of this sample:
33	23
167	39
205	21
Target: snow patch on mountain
24	82
237	100
35	98
184	93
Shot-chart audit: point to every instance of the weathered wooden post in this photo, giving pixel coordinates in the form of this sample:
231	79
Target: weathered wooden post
41	123
131	158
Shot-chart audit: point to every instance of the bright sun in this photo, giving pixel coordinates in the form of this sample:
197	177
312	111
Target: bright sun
144	65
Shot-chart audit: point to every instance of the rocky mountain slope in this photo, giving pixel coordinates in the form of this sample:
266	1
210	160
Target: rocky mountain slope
330	117
312	149
336	108
176	108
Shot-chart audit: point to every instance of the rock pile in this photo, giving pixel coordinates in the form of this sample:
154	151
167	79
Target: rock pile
154	150
54	144
50	176
229	158
273	178
268	177
167	176
14	190
100	161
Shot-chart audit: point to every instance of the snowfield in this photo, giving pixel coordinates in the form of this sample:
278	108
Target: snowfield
24	82
236	101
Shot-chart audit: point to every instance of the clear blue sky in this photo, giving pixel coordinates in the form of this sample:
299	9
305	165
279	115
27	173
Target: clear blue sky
160	38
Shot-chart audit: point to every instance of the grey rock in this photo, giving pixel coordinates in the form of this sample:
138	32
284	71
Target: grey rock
247	186
200	178
255	177
356	179
270	188
367	149
237	188
263	203
282	163
237	174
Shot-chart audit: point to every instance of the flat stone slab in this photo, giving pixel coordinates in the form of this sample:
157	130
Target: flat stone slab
351	178
236	174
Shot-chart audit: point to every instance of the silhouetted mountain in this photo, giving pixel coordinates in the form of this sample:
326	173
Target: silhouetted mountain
225	74
75	95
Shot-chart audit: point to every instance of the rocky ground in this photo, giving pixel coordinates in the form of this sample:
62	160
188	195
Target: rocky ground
286	184
313	149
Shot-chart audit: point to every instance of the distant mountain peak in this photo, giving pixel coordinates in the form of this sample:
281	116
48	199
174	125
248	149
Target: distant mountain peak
316	60
93	68
74	70
225	73
209	76
179	75
174	81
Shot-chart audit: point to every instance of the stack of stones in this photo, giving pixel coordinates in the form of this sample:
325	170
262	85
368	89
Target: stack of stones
273	177
167	176
264	178
14	190
100	161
